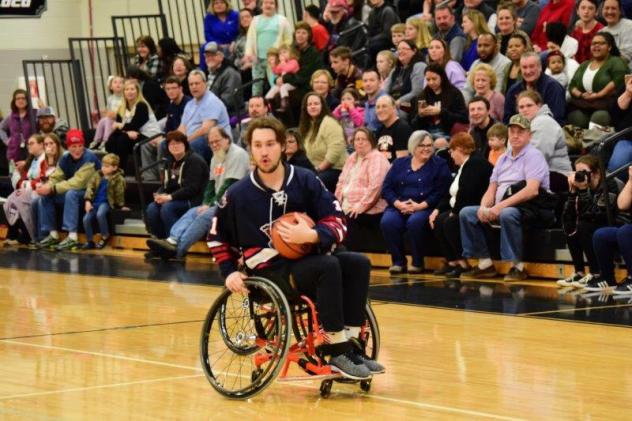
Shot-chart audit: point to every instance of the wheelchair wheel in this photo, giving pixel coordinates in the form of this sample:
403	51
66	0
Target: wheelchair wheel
245	339
370	334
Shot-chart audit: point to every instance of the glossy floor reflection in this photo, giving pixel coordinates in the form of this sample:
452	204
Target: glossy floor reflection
530	299
111	337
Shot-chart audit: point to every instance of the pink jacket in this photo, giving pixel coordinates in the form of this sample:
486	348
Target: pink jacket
357	115
289	67
366	191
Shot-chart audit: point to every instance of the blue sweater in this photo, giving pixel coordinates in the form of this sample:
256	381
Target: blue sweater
429	183
550	90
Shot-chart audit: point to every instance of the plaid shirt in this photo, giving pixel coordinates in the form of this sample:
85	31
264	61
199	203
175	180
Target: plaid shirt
363	191
153	66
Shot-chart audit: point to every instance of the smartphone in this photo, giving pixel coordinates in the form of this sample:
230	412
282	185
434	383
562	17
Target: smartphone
422	103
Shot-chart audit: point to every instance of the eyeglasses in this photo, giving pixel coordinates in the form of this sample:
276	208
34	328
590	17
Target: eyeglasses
23	98
425	145
598	43
400	49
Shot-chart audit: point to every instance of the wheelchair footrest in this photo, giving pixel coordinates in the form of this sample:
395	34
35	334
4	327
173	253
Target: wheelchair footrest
289	379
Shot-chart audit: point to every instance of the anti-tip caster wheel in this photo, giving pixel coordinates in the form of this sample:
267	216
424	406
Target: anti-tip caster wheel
365	385
325	388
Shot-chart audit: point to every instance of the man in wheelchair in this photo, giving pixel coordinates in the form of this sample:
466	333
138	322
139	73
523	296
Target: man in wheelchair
338	280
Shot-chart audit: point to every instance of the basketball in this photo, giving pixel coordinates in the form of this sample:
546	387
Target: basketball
290	250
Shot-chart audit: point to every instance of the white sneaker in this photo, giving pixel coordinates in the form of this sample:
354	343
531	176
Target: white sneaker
569	282
94	144
581	283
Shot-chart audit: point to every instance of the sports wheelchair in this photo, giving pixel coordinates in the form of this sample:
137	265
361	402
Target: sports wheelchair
245	341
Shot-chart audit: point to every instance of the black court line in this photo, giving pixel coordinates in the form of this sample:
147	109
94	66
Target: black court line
105	329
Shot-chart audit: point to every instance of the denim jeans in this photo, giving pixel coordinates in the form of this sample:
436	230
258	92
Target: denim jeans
201	147
101	215
47	216
161	218
473	234
190	228
394	224
607	242
621	155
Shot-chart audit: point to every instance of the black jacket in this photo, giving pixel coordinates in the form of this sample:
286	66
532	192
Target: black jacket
453	109
473	183
309	62
189	182
590	206
381	20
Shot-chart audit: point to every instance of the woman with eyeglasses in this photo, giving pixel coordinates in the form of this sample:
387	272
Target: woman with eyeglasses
407	79
17	128
43	154
467	189
412	189
595	84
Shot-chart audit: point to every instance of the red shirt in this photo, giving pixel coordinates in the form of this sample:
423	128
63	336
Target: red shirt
584	40
552	12
320	36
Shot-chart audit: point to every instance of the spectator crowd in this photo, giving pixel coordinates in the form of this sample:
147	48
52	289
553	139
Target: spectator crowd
427	119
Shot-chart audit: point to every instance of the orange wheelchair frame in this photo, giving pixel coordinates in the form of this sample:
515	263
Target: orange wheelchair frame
245	341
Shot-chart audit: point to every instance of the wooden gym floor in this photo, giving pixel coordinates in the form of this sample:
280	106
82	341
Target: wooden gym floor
108	336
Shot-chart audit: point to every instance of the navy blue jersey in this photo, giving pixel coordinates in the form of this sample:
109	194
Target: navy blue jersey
241	227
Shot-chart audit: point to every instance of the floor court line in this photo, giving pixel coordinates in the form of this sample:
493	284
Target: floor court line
101	354
105	329
101	386
420	405
568	310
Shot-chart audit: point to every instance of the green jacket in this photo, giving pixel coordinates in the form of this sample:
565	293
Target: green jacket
116	188
614	69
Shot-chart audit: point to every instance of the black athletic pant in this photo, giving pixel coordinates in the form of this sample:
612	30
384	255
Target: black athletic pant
339	283
580	243
448	232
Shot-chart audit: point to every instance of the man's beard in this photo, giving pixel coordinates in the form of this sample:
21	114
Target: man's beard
271	170
220	155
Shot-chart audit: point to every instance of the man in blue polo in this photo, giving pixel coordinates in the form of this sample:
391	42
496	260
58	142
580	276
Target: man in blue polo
200	114
523	162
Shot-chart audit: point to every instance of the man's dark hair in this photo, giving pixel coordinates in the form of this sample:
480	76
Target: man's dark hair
482	99
173	79
313	11
266	123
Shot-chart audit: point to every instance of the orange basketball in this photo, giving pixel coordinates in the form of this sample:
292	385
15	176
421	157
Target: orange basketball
290	250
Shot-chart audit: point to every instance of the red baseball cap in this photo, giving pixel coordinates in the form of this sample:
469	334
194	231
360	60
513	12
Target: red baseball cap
74	137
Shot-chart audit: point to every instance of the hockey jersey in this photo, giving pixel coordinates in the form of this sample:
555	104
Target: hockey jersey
241	226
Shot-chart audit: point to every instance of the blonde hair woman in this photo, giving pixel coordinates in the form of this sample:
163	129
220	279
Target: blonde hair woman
418	31
474	24
483	80
134	120
322	83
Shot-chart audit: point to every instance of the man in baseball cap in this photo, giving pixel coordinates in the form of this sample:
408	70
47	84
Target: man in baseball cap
518	176
223	79
48	122
66	186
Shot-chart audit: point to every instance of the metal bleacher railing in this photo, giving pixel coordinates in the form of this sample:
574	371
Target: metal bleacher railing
605	150
59	84
131	27
99	58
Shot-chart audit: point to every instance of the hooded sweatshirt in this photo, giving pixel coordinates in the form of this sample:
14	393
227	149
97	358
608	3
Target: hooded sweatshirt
548	137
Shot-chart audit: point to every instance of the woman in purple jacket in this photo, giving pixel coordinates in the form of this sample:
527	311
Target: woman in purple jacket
17	128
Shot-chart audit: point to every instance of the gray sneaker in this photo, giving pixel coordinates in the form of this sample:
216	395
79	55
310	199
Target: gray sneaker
47	242
373	366
344	365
